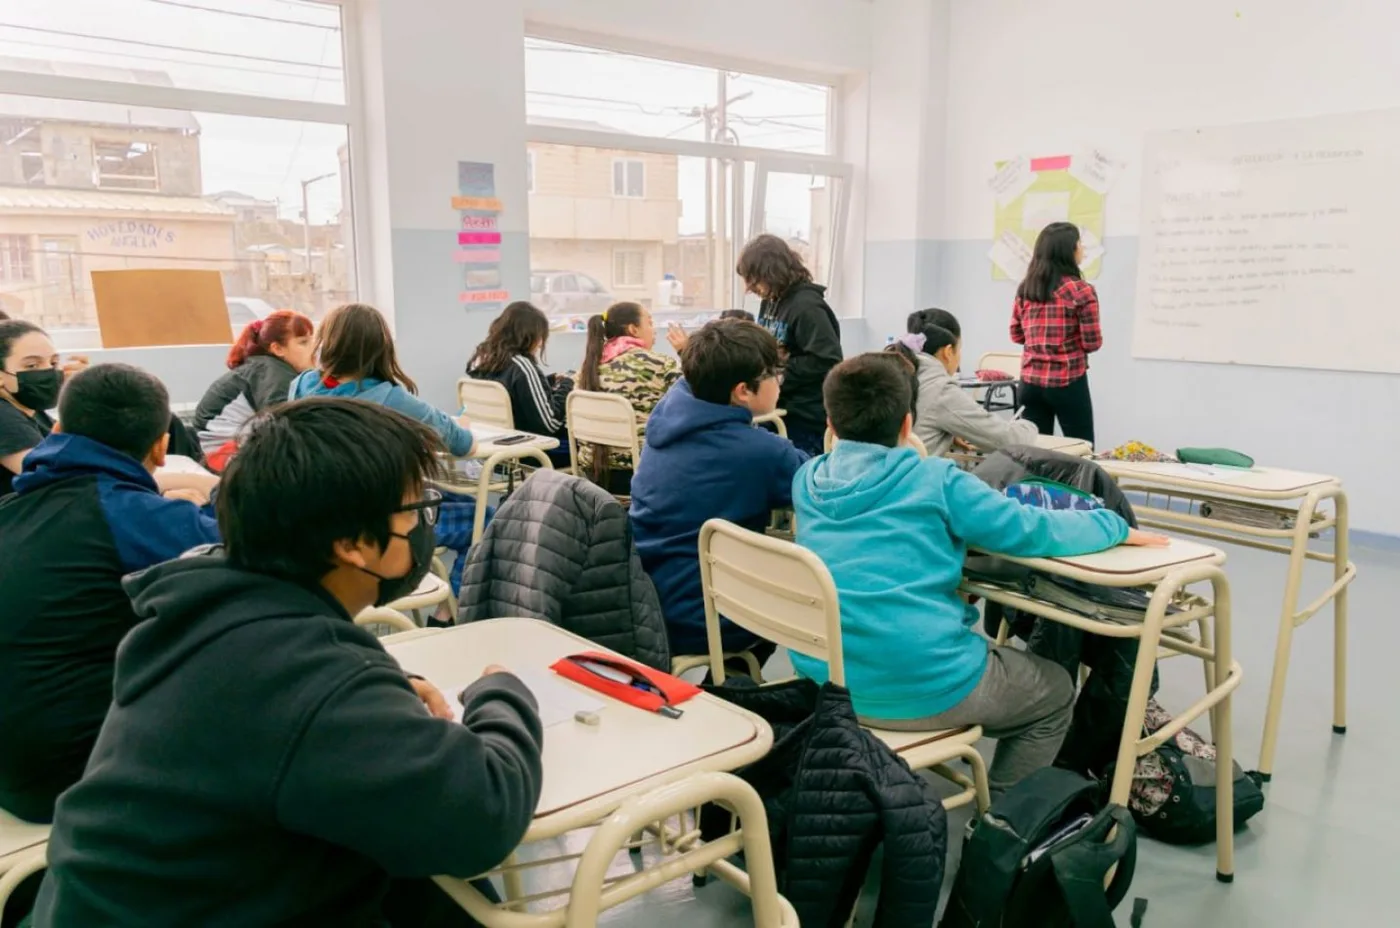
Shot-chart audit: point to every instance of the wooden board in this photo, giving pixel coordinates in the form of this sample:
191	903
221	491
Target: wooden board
140	308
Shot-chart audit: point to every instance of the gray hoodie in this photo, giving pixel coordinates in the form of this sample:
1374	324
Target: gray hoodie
947	411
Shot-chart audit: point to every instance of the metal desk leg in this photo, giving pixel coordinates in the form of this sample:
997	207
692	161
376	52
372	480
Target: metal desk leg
483	483
1223	732
1340	567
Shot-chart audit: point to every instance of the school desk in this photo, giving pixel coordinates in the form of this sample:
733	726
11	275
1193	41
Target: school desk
1169	571
992	389
774	418
1076	447
1181	496
22	852
491	453
630	765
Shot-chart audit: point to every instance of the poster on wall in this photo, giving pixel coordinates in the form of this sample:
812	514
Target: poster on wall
479	236
1031	193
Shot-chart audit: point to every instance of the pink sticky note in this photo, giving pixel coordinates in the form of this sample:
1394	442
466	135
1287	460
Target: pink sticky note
477	255
478	238
484	296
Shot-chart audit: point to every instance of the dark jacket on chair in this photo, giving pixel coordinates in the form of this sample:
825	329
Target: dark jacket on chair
833	792
560	549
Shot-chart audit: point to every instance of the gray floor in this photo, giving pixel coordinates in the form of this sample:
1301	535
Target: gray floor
1323	851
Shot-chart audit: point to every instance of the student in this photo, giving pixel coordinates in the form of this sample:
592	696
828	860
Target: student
85	512
794	309
619	359
894	529
945	414
511	355
738	314
1056	318
30	379
264	760
705	460
357	360
262	364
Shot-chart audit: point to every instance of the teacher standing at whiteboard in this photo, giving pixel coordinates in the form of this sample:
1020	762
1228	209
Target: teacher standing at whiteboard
1056	318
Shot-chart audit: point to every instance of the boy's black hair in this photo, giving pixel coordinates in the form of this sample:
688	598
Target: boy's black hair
314	472
737	314
117	405
867	398
726	353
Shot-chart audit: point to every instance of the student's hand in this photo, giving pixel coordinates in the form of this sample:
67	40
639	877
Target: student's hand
964	446
189	495
432	698
1139	539
74	363
677	337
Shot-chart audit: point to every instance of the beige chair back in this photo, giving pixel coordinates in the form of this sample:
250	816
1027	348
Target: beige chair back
772	588
486	402
602	419
1007	361
914	442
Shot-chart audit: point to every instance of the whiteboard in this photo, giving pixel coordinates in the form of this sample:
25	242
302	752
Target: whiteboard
1273	244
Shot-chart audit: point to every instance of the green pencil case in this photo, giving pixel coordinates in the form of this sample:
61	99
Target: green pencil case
1223	457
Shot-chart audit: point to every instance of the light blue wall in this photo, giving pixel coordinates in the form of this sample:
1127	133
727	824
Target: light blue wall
186	372
1321	421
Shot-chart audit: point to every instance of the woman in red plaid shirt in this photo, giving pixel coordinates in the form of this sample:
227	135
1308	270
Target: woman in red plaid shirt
1056	318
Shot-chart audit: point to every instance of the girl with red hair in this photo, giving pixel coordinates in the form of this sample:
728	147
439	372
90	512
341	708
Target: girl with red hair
262	364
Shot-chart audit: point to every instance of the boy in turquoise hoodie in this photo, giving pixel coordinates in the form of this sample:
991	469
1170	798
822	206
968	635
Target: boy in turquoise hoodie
894	530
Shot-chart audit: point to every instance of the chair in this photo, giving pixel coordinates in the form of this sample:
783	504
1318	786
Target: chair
486	401
605	419
23	851
914	442
784	593
384	617
686	662
1007	362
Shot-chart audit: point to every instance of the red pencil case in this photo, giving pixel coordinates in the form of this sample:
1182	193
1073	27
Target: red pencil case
646	688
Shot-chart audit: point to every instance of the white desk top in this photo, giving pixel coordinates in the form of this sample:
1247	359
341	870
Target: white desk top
179	464
486	436
1075	446
590	769
1124	566
1258	482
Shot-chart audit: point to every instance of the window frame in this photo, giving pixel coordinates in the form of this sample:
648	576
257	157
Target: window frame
620	252
350	115
531	163
627	163
17	243
97	176
830	164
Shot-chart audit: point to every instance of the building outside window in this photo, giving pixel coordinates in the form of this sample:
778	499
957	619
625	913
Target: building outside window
255	186
629	268
629	178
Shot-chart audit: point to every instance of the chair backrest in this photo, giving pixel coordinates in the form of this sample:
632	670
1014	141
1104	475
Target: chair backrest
602	419
1007	361
914	442
486	401
772	588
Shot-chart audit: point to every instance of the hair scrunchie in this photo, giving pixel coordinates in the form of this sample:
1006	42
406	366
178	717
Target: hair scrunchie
914	341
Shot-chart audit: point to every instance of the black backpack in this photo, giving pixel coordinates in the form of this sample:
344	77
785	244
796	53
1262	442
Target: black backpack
1039	856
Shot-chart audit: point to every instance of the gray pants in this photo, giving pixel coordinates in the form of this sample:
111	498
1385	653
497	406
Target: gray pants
1023	701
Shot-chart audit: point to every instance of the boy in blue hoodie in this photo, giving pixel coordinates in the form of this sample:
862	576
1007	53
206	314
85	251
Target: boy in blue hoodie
894	530
705	460
85	512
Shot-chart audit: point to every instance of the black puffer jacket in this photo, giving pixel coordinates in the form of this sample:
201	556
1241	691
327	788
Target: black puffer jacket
833	792
560	549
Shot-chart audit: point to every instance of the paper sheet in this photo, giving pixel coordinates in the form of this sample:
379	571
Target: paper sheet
1204	472
1093	169
1093	247
1012	179
1038	210
1011	255
558	699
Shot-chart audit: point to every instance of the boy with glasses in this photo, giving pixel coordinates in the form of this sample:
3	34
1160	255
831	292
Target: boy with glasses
264	760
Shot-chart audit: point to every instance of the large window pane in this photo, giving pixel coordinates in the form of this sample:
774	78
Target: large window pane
289	49
91	186
578	87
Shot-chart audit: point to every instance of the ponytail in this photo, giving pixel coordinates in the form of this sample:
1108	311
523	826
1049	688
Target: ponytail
260	335
613	323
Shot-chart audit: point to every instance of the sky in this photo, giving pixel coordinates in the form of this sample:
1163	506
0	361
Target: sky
292	49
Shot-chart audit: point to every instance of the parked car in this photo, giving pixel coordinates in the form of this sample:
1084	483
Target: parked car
245	309
566	293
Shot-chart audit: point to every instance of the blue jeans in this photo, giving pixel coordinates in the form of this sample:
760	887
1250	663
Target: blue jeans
454	530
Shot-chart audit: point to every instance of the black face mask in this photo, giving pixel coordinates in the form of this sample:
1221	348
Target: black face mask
38	390
421	542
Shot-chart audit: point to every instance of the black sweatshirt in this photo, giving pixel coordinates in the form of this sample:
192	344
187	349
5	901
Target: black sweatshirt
265	762
536	404
807	329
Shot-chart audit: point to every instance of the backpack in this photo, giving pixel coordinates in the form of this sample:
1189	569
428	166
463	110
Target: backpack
1044	493
1039	856
1173	795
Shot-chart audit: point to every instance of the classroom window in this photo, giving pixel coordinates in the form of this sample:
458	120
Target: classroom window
256	186
629	268
529	172
629	178
16	263
125	165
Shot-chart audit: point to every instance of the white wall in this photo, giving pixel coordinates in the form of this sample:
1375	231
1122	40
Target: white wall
1047	77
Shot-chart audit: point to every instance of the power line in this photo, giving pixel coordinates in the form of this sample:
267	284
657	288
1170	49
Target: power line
658	111
270	19
159	58
173	48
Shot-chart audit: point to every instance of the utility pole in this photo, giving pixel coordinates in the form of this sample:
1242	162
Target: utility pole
306	222
716	119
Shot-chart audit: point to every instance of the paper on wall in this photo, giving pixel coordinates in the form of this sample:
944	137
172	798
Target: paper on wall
1093	247
1012	179
1093	169
1038	210
1011	255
